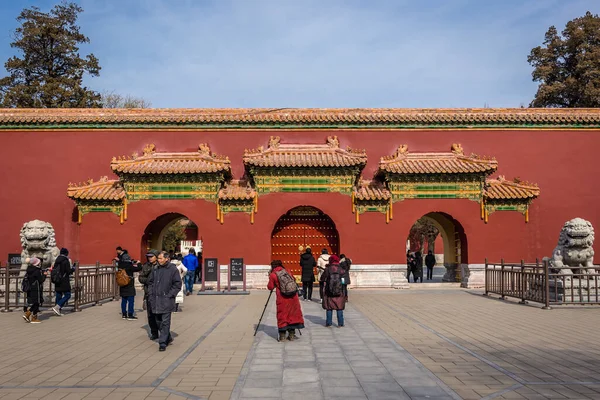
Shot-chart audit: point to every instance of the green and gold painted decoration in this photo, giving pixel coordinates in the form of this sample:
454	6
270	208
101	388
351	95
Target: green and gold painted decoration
162	176
102	196
451	175
304	168
503	195
372	196
154	176
237	196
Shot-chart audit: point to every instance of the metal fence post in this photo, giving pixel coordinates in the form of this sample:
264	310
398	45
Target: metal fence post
502	279
76	306
7	290
486	277
523	283
547	286
96	278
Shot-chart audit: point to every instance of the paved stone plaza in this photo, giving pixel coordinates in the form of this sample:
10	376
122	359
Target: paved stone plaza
434	343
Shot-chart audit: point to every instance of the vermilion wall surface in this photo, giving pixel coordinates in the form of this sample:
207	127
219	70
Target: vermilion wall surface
37	167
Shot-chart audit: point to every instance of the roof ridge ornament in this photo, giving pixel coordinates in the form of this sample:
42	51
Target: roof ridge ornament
457	149
332	141
274	142
204	149
149	149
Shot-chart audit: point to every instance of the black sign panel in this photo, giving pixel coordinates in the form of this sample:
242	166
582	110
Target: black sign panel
14	259
211	269
236	269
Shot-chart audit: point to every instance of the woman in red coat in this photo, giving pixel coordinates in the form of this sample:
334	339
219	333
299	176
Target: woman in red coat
289	313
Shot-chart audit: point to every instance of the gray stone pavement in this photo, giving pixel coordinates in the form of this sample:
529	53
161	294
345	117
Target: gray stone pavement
357	361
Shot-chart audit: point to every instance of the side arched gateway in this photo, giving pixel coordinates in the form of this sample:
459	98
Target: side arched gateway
425	231
299	228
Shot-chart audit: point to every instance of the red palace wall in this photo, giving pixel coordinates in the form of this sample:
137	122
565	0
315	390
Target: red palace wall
38	166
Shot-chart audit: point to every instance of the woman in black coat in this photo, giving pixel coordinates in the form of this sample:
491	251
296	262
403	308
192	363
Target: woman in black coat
308	263
127	292
36	278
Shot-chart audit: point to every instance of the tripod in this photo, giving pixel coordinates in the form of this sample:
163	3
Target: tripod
263	313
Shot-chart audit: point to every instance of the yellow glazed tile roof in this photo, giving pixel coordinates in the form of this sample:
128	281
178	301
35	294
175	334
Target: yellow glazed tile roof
237	190
326	117
152	162
501	189
104	189
453	162
305	155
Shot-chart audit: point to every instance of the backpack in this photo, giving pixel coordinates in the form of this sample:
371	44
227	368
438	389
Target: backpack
122	278
25	285
287	284
55	276
334	283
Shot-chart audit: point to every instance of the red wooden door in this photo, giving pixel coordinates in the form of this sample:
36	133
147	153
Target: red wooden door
299	228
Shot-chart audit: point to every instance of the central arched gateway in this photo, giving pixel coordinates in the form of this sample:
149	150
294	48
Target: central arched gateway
301	227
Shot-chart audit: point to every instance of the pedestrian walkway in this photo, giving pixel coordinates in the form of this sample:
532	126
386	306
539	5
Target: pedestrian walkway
358	361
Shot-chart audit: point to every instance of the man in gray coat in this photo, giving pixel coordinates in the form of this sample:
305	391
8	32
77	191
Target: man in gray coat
163	285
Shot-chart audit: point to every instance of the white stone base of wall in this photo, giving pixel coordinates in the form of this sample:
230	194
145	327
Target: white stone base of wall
473	276
366	276
361	276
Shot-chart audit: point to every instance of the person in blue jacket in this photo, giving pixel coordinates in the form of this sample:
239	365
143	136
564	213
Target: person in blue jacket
191	263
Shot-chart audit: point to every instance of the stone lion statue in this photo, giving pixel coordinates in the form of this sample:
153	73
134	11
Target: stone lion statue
38	240
574	249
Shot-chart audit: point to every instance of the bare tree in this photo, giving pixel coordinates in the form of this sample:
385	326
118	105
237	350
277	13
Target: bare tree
115	100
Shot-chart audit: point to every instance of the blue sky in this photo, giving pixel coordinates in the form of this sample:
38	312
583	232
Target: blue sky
314	53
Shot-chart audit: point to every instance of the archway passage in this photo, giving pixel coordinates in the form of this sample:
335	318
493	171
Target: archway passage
298	228
425	235
166	231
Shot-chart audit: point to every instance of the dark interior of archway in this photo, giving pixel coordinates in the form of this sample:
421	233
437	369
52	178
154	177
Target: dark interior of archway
458	229
154	229
298	228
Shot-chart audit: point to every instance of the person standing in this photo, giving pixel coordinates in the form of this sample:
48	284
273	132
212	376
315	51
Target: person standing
321	265
289	312
334	292
308	263
430	263
191	263
411	266
346	263
418	271
198	275
182	273
35	281
61	277
127	292
163	285
122	255
147	269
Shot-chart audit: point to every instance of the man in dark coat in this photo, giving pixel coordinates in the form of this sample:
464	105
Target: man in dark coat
429	262
36	278
308	263
62	270
127	292
147	269
163	285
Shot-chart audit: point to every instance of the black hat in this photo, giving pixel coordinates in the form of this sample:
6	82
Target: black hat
152	253
64	251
